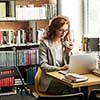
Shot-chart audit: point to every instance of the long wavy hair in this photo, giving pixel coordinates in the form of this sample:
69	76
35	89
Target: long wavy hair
55	24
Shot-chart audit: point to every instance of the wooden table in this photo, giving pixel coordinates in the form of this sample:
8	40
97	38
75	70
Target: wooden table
92	80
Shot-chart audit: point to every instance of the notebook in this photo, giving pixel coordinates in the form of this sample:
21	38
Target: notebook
73	77
96	72
83	63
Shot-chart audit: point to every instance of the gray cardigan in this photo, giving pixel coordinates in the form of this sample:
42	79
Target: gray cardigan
48	63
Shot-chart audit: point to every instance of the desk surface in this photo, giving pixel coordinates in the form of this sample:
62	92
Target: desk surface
92	79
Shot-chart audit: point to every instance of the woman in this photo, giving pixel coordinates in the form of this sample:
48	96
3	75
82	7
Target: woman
54	51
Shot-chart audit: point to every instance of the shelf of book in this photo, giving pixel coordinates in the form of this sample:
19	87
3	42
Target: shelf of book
18	37
24	58
14	10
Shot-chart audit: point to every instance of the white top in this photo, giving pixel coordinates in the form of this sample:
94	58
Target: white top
58	55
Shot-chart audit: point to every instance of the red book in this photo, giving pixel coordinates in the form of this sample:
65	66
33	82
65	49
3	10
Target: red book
4	80
1	38
0	82
27	58
11	79
34	56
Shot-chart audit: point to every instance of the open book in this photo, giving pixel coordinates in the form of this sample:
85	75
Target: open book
96	72
76	77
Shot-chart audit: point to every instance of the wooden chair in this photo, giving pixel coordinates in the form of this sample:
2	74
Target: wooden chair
37	83
94	94
44	96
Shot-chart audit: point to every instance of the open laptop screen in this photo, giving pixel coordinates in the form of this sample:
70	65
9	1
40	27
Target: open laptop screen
83	63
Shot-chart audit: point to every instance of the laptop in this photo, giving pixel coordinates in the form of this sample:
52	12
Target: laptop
83	63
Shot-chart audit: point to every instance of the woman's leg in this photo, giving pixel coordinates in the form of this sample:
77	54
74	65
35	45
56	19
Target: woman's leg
85	91
59	88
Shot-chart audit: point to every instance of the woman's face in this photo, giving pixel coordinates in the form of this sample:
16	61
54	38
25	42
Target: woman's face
61	33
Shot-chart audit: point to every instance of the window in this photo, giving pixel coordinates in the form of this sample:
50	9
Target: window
92	16
73	9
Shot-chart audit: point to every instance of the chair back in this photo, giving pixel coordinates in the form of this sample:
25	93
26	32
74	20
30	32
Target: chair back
37	78
37	92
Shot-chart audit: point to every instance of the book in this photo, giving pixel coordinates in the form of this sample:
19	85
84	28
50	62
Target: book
1	38
96	72
76	77
25	62
64	72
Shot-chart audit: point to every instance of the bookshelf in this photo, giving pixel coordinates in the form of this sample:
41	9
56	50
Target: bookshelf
18	63
26	14
18	38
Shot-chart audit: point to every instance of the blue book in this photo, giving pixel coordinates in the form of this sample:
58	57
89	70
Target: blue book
37	56
24	57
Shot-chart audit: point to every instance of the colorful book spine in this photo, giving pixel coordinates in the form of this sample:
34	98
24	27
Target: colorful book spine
37	56
25	57
9	81
32	56
1	38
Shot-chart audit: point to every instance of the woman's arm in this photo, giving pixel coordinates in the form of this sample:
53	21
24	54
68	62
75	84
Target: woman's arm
46	63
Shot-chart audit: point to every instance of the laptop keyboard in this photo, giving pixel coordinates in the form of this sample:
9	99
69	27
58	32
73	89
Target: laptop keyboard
96	72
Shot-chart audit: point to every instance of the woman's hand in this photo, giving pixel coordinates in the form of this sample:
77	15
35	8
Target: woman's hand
68	46
65	67
98	61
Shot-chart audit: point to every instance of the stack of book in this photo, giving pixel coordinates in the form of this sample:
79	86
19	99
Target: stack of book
75	77
96	72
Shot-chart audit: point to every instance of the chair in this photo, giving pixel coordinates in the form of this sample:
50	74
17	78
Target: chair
75	96
94	94
44	96
37	83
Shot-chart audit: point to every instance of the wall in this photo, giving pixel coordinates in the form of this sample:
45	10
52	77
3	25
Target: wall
13	25
73	10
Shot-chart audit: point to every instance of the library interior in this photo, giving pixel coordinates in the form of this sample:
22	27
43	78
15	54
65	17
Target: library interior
49	49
